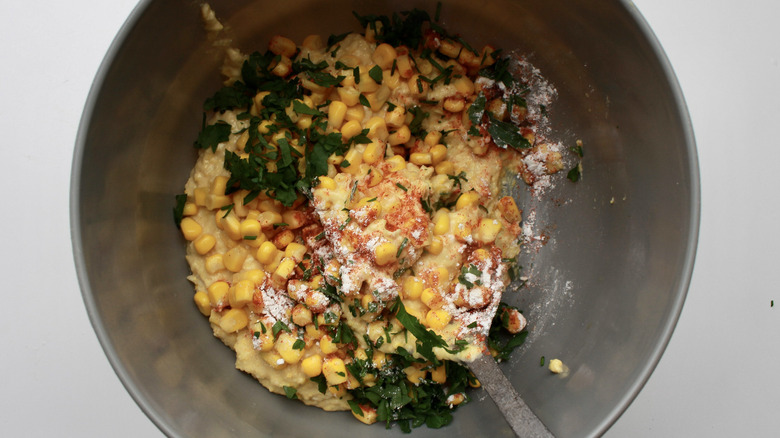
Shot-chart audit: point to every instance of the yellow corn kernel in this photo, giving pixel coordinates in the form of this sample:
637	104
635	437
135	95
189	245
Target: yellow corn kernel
241	293
283	239
233	320
312	365
414	374
417	86
214	202
266	253
334	370
190	228
350	129
367	84
375	177
295	251
285	344
214	263
396	117
280	45
349	96
436	246
392	80
367	414
218	185
456	399
438	153
437	318
468	199
268	205
445	168
378	98
379	359
218	216
190	209
371	203
374	152
377	128
450	48
439	374
326	182
487	230
250	228
441	222
400	136
294	219
384	55
404	66
397	163
462	230
234	258
200	194
337	391
267	219
355	112
432	138
327	346
464	85
203	302
420	158
284	270
336	112
355	159
385	252
274	359
313	331
366	301
442	274
232	227
413	287
454	104
429	297
204	243
301	315
313	42
283	67
218	293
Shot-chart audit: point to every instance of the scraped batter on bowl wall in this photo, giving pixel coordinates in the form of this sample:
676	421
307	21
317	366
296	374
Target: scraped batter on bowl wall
347	228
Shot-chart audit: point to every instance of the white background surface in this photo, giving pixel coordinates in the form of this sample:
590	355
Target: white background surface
718	376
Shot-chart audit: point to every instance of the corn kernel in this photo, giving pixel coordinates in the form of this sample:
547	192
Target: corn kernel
327	346
250	228
456	399
285	345
234	258
190	228
437	318
282	239
441	222
301	315
266	253
396	117
454	104
439	374
232	227
204	243
313	42
349	95
384	55
397	163
203	302
464	85
312	365
218	185
377	128
385	252
413	287
218	294
404	66
375	177
350	129
438	153
354	158
190	209
274	359
487	230
214	263
462	231
414	374
379	359
313	331
417	87
367	414
420	158
336	112
295	251
467	199
445	168
233	320
374	152
430	298
436	246
356	113
283	67
284	270
294	219
400	136
241	293
280	45
334	370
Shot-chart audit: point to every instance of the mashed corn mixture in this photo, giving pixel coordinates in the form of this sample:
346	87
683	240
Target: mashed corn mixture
346	228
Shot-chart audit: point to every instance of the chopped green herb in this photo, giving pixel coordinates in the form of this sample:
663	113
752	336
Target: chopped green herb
376	74
364	101
401	247
400	186
290	392
212	135
575	174
278	327
178	210
299	344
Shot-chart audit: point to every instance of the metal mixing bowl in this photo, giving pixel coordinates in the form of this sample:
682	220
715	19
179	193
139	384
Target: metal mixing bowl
605	292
